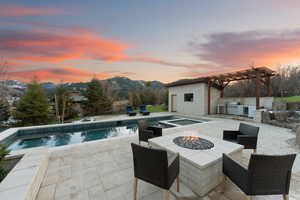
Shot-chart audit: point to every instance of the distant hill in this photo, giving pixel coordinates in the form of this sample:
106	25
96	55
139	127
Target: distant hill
120	86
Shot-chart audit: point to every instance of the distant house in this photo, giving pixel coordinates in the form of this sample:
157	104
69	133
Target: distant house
191	96
77	100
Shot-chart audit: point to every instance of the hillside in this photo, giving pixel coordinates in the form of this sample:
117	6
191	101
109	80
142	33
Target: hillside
120	86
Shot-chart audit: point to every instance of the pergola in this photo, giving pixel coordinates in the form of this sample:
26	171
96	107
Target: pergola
262	76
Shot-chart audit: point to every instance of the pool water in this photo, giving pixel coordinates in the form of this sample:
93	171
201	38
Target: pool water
183	122
65	138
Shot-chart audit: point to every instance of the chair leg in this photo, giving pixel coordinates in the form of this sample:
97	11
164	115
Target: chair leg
135	185
285	197
177	184
223	186
167	195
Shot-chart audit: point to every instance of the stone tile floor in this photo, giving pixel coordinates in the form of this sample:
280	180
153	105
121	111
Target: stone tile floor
103	170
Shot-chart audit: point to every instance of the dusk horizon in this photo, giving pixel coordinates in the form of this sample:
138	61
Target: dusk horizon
142	40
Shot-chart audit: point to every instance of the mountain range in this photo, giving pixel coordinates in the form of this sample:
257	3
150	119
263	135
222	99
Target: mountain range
119	85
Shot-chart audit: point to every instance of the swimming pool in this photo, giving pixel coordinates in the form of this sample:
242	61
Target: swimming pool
78	133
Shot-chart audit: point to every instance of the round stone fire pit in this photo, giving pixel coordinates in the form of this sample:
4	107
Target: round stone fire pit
193	142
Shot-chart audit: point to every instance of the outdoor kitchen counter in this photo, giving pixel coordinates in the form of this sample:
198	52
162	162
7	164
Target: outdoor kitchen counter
200	170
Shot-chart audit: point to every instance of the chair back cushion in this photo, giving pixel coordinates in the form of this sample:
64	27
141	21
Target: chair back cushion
270	174
143	107
150	165
246	129
129	109
142	125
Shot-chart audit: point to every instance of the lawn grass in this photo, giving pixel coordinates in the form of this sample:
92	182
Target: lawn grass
157	108
288	99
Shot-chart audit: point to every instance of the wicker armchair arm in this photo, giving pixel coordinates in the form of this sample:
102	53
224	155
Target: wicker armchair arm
248	141
230	135
236	173
173	169
157	130
145	135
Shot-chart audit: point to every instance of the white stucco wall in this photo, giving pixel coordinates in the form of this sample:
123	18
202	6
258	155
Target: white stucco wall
199	105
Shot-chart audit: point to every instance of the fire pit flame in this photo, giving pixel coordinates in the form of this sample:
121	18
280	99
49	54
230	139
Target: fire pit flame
193	142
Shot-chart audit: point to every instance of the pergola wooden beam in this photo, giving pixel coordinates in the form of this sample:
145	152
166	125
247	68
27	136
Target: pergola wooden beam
262	75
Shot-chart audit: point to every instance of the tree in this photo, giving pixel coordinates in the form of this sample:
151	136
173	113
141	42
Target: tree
33	108
63	104
4	110
134	99
286	83
97	101
3	77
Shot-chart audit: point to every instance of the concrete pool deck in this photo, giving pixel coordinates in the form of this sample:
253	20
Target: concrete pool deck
102	169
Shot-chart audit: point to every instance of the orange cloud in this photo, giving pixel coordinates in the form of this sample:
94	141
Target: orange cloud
11	10
46	46
67	74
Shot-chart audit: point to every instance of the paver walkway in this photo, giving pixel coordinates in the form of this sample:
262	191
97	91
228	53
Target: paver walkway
103	170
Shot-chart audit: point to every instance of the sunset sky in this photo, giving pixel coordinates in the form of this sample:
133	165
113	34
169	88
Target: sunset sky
165	40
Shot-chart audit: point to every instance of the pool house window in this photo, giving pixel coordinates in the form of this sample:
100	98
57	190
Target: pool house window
189	97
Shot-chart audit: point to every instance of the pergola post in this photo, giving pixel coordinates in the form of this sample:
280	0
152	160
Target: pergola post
268	82
222	92
257	89
208	97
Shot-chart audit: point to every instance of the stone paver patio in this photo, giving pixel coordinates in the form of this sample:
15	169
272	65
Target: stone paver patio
103	170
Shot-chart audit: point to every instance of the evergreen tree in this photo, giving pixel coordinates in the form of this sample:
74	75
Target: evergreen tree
4	110
33	108
97	102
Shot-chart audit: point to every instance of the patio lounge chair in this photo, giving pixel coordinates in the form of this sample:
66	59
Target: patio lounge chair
246	135
152	165
266	175
130	111
143	110
147	132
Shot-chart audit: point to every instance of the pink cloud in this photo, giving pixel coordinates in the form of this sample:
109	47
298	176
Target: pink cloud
11	10
46	46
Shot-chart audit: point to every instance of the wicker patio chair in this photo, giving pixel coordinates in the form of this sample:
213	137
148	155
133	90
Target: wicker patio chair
266	174
147	132
246	135
152	165
130	111
143	110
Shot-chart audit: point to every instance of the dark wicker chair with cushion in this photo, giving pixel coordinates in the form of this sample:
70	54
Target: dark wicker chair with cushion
147	132
152	165
130	111
246	135
143	110
266	174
